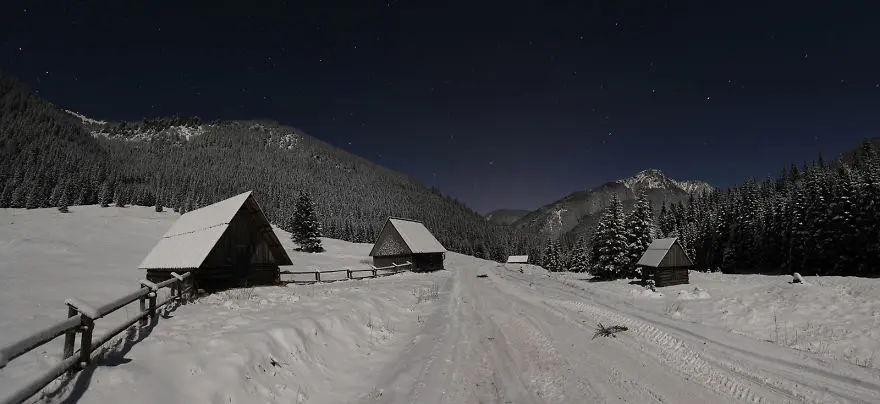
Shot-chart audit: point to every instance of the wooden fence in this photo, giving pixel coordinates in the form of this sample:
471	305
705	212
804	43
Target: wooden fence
81	319
349	273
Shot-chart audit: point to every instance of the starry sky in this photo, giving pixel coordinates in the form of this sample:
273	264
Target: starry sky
502	104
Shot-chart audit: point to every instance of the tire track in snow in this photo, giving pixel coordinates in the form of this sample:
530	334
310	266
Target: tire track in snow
727	377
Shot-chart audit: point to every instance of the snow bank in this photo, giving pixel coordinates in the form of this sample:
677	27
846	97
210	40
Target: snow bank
260	344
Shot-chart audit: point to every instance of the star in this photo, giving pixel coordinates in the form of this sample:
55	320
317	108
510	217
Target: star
491	162
806	55
708	98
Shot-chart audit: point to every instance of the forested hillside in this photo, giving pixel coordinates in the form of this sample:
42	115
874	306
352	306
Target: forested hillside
49	155
822	218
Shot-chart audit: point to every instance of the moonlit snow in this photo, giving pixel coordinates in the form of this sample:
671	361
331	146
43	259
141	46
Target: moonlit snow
519	334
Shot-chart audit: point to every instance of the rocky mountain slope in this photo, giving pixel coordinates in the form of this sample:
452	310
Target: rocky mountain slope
506	216
578	211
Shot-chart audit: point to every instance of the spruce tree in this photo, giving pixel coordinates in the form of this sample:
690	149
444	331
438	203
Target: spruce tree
104	195
304	227
638	227
610	245
580	259
64	199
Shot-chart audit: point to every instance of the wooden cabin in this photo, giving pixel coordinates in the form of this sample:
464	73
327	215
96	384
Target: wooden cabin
518	259
666	262
404	240
227	244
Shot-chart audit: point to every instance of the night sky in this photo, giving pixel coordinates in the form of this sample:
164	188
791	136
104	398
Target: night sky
506	104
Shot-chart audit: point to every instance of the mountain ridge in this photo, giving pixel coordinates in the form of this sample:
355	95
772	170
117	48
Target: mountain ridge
578	211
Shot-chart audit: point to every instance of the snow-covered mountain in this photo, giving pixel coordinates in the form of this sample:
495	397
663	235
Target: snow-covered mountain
506	216
85	119
579	211
655	179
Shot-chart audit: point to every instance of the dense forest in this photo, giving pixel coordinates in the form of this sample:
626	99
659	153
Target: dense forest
49	158
822	218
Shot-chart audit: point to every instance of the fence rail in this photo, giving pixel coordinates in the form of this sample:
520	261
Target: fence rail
81	320
393	268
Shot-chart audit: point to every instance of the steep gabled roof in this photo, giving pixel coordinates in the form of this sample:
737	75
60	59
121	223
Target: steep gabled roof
416	236
192	237
518	259
658	250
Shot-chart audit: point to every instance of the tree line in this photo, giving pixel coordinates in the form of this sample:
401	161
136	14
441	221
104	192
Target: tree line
820	218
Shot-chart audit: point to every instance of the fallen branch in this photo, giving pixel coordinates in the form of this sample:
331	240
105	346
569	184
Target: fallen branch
609	331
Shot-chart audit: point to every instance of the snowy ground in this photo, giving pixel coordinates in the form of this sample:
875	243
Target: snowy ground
445	337
837	317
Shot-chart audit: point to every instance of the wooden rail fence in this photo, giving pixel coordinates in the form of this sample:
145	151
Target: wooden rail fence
81	319
349	273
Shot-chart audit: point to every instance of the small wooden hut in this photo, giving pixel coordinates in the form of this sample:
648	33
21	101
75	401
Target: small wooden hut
666	262
404	240
227	244
518	259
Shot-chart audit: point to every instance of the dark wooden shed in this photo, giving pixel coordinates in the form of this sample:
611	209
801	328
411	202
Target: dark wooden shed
227	244
404	240
666	262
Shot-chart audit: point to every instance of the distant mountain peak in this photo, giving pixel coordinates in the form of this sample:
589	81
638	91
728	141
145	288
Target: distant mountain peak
653	178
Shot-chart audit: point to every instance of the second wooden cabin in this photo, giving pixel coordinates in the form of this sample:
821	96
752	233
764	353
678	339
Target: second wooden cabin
666	262
405	240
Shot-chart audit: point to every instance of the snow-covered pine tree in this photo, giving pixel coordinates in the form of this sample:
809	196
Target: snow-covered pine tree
118	199
554	258
580	259
611	247
304	227
64	199
104	194
665	222
638	227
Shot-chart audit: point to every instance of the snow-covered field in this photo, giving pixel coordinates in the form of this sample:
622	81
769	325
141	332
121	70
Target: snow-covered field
837	317
445	337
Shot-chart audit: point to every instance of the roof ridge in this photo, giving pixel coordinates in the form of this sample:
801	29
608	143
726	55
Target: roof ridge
403	218
196	230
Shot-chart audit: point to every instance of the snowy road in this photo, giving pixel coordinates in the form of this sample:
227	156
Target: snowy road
518	338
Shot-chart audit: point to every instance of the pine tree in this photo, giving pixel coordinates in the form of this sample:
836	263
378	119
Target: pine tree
64	199
104	194
638	227
118	198
609	243
580	259
304	227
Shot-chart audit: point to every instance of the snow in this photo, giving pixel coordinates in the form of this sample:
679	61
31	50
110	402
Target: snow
85	119
554	220
655	179
417	237
516	333
177	133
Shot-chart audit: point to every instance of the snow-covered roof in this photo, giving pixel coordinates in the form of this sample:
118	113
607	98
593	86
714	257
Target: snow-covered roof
190	239
518	259
657	250
417	237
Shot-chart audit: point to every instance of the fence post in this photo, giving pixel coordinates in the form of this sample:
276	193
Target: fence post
85	344
143	302
348	273
177	287
151	296
69	336
318	276
374	270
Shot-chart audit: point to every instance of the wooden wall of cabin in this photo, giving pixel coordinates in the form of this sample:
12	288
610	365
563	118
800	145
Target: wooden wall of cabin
675	257
241	255
390	244
381	262
428	262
